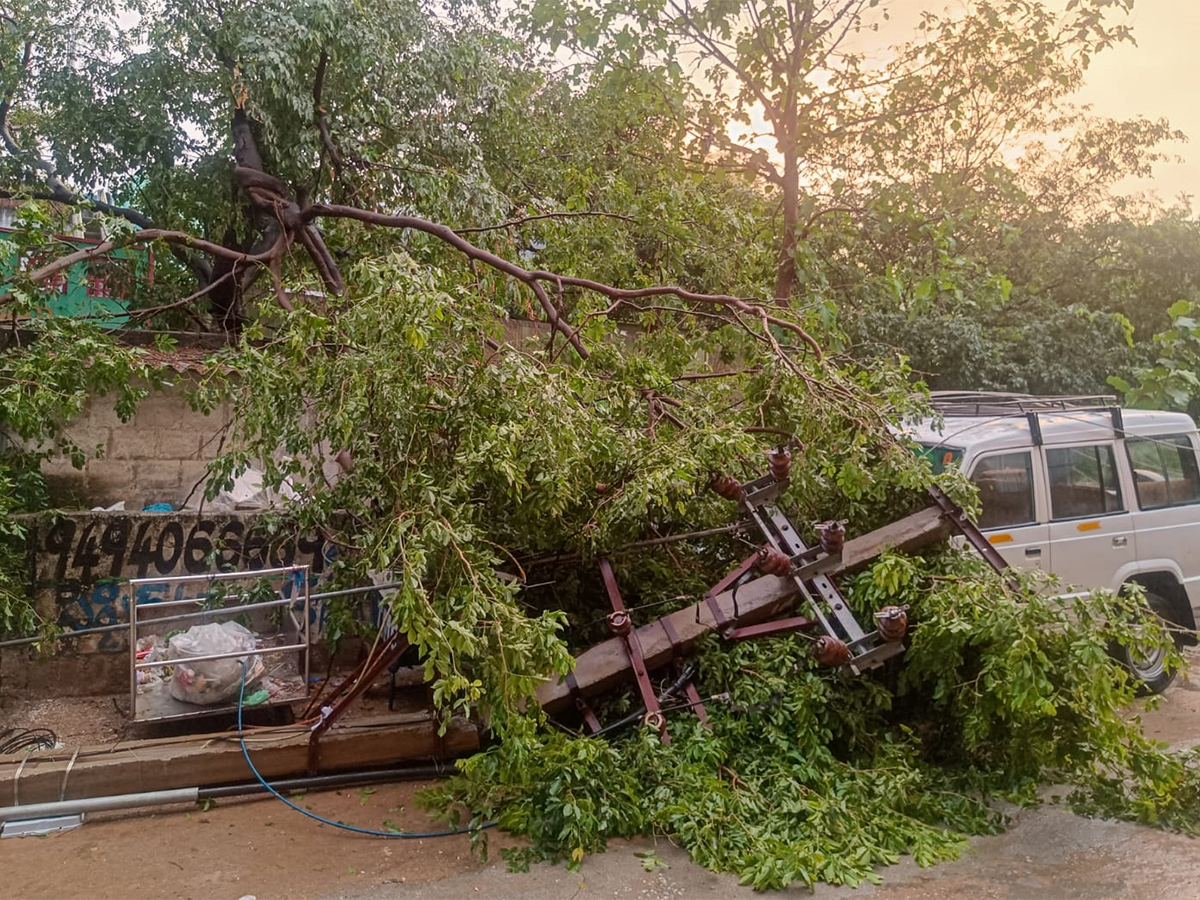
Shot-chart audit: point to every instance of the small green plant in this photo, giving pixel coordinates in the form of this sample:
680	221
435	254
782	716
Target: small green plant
651	861
1168	379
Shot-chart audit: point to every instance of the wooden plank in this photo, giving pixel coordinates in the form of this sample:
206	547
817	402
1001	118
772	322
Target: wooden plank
910	533
605	666
212	759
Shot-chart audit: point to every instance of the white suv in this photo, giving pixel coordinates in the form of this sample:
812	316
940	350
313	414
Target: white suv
1100	496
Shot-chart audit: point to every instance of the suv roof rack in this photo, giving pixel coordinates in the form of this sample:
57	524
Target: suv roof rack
991	403
1029	406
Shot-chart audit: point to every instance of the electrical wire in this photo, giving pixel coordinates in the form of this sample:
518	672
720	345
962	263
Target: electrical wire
371	832
14	740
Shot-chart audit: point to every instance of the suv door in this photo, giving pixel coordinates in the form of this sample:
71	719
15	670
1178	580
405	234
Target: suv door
1013	516
1166	478
1091	530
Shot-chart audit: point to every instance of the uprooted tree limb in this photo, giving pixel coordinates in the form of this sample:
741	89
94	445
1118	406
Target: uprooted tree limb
296	224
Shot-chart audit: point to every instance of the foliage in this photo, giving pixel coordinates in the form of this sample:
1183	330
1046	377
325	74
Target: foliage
1171	380
465	459
943	111
810	775
928	181
50	369
345	101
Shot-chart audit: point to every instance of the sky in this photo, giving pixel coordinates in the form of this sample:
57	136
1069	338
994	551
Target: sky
1158	78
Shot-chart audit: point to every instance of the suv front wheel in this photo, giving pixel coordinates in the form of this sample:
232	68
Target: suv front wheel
1148	663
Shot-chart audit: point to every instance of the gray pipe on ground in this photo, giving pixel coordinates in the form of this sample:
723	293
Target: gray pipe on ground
97	804
192	794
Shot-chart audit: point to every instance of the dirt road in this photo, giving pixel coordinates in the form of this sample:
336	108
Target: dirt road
258	847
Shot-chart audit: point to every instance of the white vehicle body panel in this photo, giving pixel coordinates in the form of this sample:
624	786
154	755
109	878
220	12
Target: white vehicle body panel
1128	499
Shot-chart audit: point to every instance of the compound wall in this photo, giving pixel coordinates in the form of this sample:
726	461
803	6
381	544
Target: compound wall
80	565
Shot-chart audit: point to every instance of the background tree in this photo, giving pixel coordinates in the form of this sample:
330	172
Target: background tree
992	72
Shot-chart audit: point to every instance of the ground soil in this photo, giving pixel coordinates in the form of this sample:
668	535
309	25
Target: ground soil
258	847
104	719
238	847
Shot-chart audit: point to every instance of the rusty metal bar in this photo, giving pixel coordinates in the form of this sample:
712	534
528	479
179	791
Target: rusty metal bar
772	629
581	704
622	625
968	529
391	651
723	623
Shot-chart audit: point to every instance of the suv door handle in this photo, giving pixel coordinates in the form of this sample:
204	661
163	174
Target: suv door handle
1120	541
1033	551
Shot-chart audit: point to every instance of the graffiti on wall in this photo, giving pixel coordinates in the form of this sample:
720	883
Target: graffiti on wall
124	547
84	562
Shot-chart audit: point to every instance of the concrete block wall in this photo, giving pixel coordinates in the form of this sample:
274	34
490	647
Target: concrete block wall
158	456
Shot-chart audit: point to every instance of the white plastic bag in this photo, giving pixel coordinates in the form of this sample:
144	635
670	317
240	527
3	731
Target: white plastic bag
217	680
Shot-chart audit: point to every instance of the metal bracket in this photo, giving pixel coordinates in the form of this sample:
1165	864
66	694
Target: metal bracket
622	625
867	649
763	489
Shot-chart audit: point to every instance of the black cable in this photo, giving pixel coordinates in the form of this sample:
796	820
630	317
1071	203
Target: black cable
15	740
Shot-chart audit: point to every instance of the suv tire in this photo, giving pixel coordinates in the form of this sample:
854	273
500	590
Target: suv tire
1149	669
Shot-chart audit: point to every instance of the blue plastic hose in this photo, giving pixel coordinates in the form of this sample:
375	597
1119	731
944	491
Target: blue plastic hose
312	815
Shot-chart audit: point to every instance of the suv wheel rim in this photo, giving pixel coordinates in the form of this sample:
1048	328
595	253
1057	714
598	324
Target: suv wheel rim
1147	663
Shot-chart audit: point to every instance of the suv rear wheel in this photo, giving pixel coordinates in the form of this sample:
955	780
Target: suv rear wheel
1148	663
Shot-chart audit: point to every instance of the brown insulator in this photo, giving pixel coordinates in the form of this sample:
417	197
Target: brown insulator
619	622
772	561
829	651
780	462
833	536
727	487
892	622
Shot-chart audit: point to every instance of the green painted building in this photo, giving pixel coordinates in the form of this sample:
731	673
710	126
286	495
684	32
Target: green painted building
99	289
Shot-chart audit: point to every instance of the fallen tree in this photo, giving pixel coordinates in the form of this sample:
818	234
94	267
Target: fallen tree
489	478
474	461
473	464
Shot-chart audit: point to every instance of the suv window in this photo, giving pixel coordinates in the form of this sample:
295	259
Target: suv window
1165	471
1005	483
1083	481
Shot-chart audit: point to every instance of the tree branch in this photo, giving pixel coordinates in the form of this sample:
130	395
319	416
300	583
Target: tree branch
705	40
534	279
319	113
179	238
514	223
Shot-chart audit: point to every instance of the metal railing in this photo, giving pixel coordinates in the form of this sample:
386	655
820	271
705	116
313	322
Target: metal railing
303	626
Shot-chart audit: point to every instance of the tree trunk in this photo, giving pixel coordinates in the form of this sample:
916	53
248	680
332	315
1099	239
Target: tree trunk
785	277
